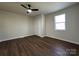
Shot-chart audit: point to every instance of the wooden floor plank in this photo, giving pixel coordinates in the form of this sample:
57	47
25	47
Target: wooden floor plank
37	46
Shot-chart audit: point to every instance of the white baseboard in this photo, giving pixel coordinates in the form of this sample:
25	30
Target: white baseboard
42	36
14	38
39	35
64	40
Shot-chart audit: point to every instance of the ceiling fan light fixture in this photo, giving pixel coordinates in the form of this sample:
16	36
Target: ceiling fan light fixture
29	10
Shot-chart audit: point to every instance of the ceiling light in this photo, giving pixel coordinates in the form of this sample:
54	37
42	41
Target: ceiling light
29	10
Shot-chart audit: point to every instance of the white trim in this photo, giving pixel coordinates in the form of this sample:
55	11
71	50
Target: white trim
74	42
14	38
42	36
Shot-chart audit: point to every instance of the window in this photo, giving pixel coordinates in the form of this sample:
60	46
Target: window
60	22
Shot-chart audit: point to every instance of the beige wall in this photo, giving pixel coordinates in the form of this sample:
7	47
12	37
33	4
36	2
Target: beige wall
39	24
14	25
72	25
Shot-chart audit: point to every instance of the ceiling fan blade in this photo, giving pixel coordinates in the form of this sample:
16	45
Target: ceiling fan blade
35	9
23	6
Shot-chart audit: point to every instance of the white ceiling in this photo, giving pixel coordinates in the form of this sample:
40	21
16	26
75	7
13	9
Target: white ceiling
44	7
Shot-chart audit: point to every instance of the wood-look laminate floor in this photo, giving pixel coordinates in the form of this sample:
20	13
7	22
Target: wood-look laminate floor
37	46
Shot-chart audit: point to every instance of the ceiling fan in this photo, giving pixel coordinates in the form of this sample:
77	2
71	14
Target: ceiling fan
28	8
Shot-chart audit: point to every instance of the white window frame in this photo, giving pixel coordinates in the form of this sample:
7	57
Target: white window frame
63	22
